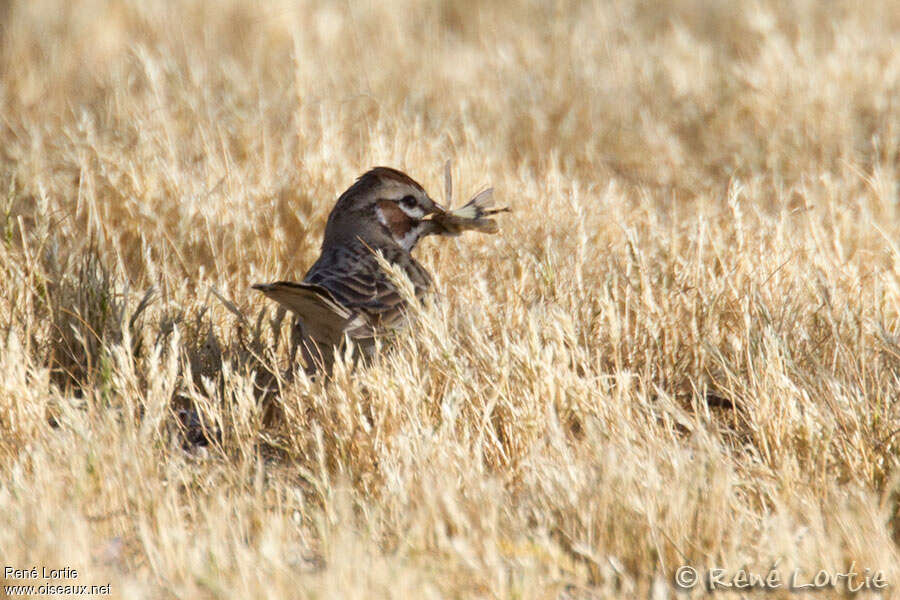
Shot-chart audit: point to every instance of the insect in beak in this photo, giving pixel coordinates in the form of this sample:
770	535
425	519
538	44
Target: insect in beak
472	215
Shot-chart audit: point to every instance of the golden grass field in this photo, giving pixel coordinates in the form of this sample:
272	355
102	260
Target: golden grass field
683	348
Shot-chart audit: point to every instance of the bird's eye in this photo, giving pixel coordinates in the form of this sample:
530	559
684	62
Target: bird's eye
408	201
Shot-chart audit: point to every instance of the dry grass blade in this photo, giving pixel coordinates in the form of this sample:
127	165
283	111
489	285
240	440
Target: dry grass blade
231	306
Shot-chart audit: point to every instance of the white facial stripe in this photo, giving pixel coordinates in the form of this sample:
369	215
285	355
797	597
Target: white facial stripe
412	236
379	214
415	212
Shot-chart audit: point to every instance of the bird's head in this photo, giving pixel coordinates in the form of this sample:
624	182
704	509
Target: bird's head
383	201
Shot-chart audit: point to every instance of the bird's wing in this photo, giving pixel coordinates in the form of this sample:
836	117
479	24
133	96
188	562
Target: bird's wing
324	318
360	284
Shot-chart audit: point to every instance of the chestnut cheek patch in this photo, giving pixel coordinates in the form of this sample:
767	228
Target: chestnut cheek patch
393	217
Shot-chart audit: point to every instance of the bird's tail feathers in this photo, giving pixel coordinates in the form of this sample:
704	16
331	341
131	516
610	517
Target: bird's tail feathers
324	318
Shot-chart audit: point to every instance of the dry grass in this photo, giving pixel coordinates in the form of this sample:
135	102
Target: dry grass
684	347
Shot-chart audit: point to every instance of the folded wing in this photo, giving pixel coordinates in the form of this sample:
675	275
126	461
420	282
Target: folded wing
360	285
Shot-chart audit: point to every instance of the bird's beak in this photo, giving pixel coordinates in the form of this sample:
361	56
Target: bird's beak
436	209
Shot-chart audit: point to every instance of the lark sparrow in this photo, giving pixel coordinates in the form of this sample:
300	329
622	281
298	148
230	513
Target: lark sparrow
346	292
